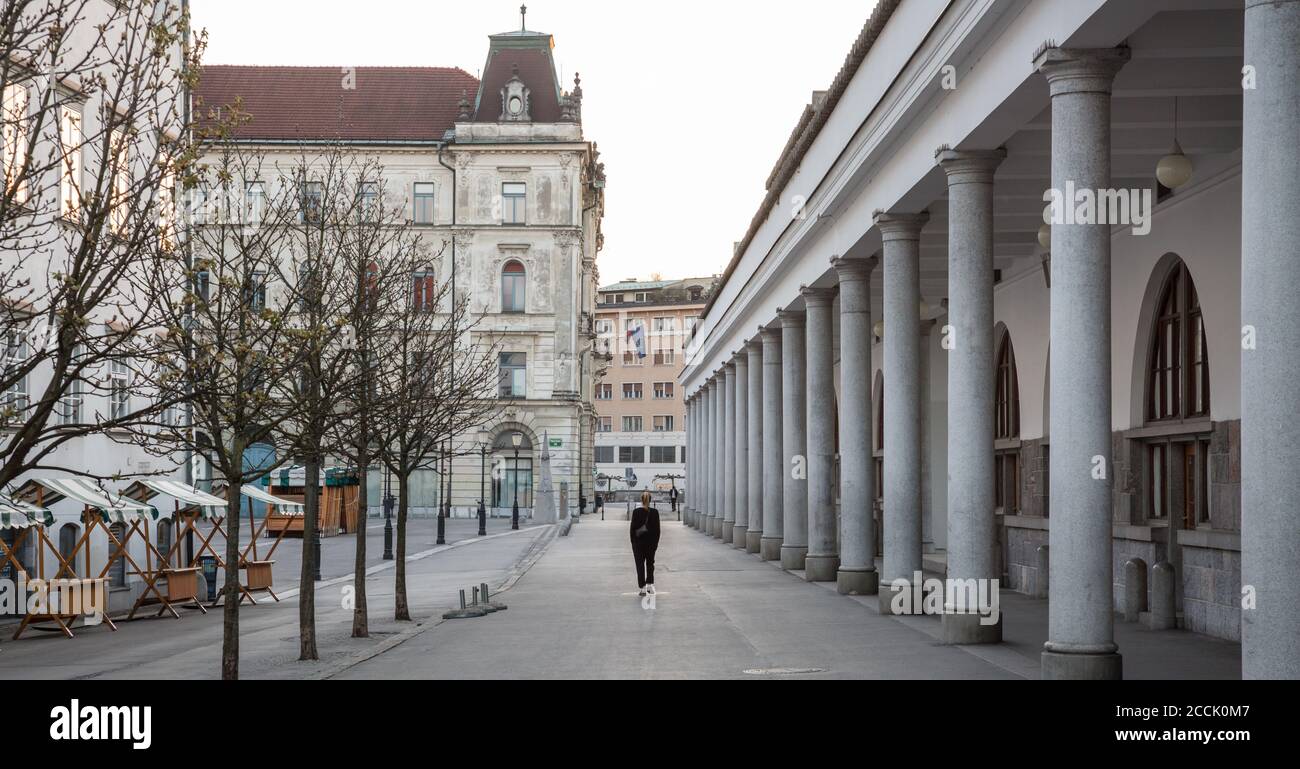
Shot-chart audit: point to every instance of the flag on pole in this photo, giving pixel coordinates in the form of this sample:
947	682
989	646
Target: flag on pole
636	340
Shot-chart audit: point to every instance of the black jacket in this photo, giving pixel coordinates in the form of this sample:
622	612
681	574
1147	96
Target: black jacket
649	519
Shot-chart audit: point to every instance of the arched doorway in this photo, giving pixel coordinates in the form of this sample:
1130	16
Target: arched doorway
512	470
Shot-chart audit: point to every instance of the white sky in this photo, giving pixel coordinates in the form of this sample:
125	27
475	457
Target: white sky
689	100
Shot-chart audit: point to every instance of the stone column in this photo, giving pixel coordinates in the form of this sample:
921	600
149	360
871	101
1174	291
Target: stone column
857	573
1081	633
754	440
728	451
1270	486
773	450
794	473
708	508
971	380
901	234
692	458
741	529
720	453
690	452
823	560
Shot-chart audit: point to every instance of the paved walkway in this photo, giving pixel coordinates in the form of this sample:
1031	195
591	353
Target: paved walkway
190	648
723	614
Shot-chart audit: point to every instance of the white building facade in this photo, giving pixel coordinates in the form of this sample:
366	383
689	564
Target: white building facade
967	390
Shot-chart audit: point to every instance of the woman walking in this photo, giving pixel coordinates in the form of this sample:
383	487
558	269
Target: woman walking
645	541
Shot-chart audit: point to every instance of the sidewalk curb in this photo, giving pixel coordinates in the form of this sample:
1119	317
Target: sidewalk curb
525	562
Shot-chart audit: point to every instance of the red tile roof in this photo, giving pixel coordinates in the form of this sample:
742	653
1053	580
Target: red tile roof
311	103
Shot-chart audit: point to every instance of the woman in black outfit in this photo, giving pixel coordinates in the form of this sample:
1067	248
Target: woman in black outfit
645	541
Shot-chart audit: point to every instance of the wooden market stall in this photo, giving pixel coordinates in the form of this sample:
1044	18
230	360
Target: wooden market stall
339	499
54	605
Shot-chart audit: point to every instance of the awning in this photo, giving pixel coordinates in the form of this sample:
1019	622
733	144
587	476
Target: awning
205	503
283	507
20	515
80	490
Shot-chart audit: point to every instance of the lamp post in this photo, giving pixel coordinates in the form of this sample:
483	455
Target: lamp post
484	438
442	506
388	515
517	439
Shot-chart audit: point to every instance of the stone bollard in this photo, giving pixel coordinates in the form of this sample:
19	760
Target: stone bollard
1044	573
1135	589
1163	614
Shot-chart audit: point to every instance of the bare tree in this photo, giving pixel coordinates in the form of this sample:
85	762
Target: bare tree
93	138
438	383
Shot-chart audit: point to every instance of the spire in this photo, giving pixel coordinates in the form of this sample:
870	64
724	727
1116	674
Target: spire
523	18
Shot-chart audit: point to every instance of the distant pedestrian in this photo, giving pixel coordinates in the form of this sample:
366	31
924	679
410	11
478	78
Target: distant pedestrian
600	505
672	497
645	543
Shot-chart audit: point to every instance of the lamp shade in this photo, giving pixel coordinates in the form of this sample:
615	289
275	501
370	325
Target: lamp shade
1175	169
517	439
1045	236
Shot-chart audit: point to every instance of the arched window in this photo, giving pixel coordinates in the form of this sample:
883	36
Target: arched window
425	295
1006	399
1178	370
1006	427
514	288
117	574
68	540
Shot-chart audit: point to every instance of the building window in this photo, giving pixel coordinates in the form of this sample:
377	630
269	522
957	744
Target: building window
632	391
514	375
880	416
666	358
604	328
255	293
424	292
1177	480
604	392
165	540
70	403
665	326
605	424
633	424
663	424
16	395
631	455
254	201
424	202
1178	373
368	201
121	174
117	573
68	541
514	203
1006	398
663	455
119	390
70	179
14	141
1006	483
514	483
313	200
514	288
604	455
665	391
631	359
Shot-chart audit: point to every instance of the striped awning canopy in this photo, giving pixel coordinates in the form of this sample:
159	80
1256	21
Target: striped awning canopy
119	510
207	504
20	515
284	507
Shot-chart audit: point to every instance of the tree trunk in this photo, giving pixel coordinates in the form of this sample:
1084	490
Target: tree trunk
403	609
230	612
360	620
307	580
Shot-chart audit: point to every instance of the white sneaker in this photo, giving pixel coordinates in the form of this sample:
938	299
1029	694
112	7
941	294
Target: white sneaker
651	589
643	592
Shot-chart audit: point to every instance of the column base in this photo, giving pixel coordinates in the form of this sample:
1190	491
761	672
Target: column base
754	541
738	537
770	548
968	630
725	532
714	527
1082	667
907	608
863	582
821	568
794	557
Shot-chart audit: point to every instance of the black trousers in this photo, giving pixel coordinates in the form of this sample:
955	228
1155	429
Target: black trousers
645	564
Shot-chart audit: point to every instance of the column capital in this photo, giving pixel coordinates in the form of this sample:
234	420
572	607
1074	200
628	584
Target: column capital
817	297
900	226
790	318
755	345
1080	70
969	166
850	270
771	336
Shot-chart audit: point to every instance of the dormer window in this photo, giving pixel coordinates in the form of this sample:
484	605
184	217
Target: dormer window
516	104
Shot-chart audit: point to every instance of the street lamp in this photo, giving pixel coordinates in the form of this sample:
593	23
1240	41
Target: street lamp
442	505
484	438
517	439
388	515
